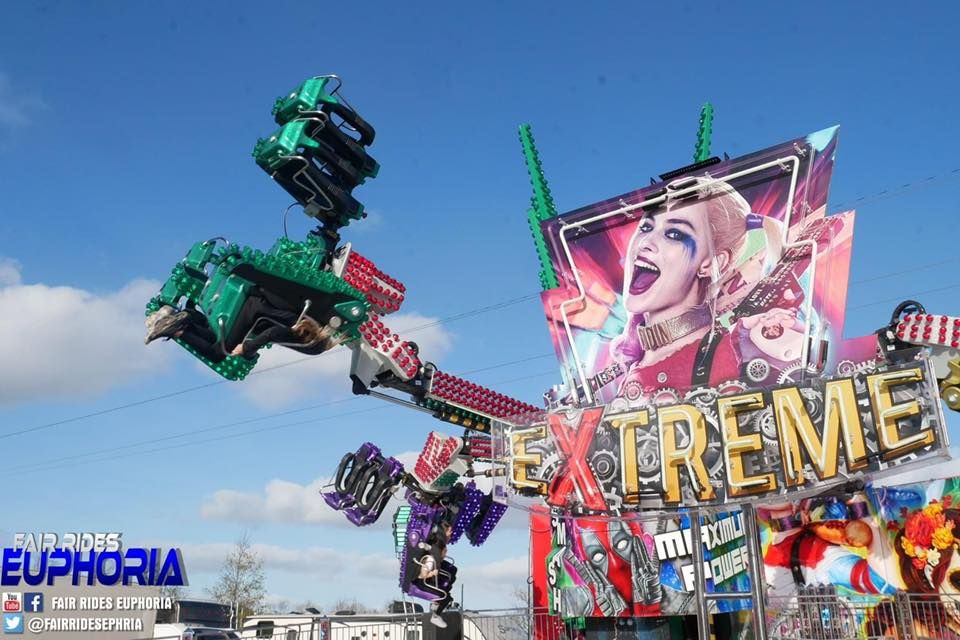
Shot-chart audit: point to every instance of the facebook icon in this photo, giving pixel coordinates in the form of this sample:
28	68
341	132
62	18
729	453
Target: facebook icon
33	602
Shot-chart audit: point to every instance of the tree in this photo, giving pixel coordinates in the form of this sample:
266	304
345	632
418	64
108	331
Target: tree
281	606
241	582
308	604
173	593
520	622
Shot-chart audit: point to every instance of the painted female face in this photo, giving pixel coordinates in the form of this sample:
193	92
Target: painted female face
663	259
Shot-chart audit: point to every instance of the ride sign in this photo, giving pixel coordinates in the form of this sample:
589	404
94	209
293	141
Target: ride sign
718	449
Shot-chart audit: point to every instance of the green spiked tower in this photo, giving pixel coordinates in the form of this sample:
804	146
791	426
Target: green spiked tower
541	207
702	151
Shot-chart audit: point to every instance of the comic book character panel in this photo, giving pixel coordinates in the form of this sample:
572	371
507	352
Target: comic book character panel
602	567
620	567
923	522
824	541
880	542
707	285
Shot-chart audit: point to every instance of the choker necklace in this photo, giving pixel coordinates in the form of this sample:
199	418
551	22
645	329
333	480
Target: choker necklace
667	331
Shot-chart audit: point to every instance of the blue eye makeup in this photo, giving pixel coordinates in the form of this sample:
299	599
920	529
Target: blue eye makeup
689	243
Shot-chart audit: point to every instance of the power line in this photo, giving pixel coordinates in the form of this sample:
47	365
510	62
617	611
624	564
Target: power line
74	460
886	193
191	432
901	298
207	440
452	318
892	274
270	416
261	371
334	402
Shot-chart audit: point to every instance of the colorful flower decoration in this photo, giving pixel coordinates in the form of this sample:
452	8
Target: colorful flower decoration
927	533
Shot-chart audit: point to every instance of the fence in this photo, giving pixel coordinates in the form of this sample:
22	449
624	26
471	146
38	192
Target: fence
813	615
827	616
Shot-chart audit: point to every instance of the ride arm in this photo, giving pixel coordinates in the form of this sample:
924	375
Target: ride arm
382	358
910	328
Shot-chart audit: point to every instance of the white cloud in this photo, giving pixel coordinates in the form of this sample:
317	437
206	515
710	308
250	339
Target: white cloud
68	342
17	110
289	503
294	503
331	371
9	272
323	561
280	501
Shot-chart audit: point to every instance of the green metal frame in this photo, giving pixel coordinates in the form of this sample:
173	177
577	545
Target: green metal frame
221	294
273	152
305	97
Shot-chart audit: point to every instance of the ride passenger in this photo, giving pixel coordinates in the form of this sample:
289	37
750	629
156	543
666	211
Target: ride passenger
434	566
262	319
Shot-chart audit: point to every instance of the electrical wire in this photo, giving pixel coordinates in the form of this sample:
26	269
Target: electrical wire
228	425
260	371
349	399
902	298
452	318
75	460
922	267
887	193
496	306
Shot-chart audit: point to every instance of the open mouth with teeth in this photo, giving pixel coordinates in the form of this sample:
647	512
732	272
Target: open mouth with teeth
644	275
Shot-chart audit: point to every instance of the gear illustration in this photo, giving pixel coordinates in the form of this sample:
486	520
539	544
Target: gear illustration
846	368
814	402
702	398
632	390
731	387
605	466
664	396
648	457
794	373
606	439
766	424
549	466
770	458
758	370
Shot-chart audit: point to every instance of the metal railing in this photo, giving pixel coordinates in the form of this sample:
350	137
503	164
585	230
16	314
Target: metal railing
827	616
816	614
516	624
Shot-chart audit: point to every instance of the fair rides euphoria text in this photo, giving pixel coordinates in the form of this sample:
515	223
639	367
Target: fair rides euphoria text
785	440
88	558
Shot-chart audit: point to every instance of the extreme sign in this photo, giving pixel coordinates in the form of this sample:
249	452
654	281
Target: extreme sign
718	449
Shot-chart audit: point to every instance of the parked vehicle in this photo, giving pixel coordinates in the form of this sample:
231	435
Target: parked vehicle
195	619
385	626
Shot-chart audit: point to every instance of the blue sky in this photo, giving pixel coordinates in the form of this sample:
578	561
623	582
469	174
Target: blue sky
125	135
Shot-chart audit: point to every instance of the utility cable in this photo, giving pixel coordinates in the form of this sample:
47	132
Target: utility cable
52	465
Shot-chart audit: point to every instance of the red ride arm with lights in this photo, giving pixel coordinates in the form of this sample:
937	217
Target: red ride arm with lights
383	357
